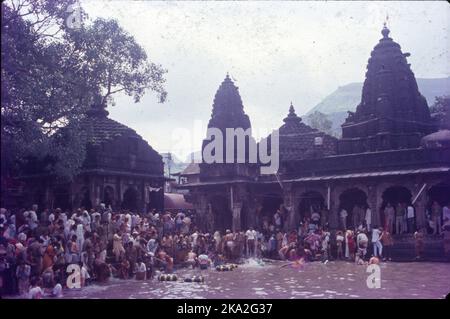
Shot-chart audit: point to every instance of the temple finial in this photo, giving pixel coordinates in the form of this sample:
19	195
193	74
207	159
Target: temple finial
385	31
292	116
291	109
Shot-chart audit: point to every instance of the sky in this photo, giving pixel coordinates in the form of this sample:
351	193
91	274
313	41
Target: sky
277	52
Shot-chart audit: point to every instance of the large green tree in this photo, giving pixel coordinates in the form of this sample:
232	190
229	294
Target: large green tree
52	71
440	112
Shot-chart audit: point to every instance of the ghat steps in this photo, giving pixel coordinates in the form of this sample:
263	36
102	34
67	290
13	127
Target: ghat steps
404	248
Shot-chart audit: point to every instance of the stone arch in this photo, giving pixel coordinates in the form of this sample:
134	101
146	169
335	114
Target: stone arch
270	203
109	196
354	201
398	196
38	197
130	199
155	199
85	198
221	212
61	197
310	201
440	193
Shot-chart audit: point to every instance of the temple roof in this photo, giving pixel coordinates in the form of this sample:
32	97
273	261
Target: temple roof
191	169
114	147
99	128
297	139
392	113
437	139
293	124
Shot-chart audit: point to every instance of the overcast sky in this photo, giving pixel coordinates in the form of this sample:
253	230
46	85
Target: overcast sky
277	52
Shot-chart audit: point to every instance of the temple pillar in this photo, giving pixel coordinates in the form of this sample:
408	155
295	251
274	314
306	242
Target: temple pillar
205	218
374	204
252	216
420	210
256	211
141	200
288	205
236	224
333	214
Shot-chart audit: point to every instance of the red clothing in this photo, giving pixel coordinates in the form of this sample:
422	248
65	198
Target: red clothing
351	243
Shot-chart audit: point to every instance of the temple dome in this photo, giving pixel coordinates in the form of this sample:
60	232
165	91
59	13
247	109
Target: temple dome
437	139
300	141
116	147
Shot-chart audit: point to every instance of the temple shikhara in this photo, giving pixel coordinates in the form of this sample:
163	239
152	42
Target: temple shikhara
389	152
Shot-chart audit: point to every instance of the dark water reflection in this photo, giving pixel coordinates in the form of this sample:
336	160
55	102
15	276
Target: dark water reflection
315	280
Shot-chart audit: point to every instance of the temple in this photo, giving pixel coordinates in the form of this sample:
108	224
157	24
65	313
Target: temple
389	152
120	170
392	113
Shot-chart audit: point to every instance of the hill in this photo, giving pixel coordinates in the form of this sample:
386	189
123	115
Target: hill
347	97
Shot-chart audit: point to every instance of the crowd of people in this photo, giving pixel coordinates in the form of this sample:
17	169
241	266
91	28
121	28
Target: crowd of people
36	247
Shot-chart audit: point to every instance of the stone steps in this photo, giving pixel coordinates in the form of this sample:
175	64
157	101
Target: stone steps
404	248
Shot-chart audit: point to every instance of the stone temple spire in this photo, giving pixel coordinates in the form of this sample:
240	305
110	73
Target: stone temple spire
228	113
292	116
385	32
228	110
392	112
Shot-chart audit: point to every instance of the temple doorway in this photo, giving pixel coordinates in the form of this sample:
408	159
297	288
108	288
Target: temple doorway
398	196
86	202
108	196
61	198
130	198
354	201
310	202
270	204
223	217
439	193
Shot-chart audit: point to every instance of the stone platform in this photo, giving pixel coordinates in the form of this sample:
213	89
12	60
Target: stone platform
404	248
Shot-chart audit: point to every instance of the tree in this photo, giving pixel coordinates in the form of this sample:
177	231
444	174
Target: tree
440	112
320	121
52	73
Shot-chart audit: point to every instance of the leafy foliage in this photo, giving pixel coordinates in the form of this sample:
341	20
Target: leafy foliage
440	112
319	121
51	75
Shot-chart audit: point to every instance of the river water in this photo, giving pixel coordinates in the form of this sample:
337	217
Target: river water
336	279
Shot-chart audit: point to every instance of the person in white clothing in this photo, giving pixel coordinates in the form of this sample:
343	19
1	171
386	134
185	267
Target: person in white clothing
141	270
410	219
377	246
343	217
35	291
251	238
